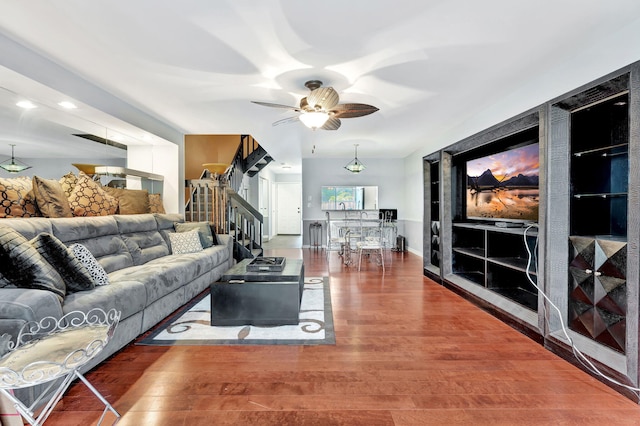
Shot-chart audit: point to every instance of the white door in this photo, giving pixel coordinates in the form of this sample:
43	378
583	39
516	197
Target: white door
289	208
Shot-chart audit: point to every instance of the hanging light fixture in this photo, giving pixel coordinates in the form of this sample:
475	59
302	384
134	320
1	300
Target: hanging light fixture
355	166
314	119
13	165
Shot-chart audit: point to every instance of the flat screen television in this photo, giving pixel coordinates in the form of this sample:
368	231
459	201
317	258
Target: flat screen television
504	186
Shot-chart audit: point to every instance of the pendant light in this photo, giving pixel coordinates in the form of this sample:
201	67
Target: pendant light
355	166
13	165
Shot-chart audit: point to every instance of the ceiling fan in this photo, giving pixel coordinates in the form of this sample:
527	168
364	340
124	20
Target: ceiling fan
320	108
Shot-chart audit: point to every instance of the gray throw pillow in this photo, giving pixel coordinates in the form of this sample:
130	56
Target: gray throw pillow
5	282
204	231
24	267
75	275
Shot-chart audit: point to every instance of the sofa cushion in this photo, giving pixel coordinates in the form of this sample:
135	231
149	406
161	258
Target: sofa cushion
29	228
50	198
29	305
141	236
97	272
165	275
185	242
23	266
75	275
128	224
166	223
16	198
203	228
145	246
89	199
99	234
128	297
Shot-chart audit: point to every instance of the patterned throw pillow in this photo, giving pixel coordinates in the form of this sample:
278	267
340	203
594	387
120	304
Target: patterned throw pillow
16	198
203	228
50	198
68	182
155	204
85	257
75	275
185	242
89	199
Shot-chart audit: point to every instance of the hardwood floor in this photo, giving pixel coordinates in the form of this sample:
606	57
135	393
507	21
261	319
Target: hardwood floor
408	352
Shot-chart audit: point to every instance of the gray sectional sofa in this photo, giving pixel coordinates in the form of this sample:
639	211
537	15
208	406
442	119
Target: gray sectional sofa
146	282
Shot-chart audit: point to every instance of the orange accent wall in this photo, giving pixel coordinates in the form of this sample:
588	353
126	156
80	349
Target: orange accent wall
199	149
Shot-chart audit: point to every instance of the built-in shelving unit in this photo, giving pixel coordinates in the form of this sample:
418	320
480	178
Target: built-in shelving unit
599	173
432	252
497	259
434	170
587	261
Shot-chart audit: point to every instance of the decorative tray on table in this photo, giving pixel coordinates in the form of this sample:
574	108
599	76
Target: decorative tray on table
266	264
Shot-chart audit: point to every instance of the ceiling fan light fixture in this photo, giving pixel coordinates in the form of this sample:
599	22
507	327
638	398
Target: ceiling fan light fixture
355	166
314	119
13	165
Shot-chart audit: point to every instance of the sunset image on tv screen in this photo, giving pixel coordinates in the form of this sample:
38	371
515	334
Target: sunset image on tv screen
504	185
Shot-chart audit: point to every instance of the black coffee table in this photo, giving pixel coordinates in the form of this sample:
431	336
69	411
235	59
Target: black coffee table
258	298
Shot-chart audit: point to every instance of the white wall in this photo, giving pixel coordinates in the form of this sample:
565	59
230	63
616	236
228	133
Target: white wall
386	174
161	160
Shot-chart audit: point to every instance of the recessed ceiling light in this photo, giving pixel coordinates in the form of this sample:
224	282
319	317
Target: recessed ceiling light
67	105
26	104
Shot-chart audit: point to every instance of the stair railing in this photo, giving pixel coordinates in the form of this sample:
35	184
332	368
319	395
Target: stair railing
207	202
245	222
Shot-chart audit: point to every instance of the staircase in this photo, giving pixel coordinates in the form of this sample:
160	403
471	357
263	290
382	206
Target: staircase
215	199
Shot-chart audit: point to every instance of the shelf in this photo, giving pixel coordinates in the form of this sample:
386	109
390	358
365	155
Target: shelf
519	295
531	232
601	195
473	252
602	151
475	277
516	263
124	172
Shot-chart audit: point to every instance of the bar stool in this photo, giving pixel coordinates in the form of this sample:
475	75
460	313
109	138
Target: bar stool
372	244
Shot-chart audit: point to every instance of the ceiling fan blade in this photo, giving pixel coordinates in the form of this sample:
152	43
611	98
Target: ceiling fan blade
324	98
332	123
353	110
287	120
269	104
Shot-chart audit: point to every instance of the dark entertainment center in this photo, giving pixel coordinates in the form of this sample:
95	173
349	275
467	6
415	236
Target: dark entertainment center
543	199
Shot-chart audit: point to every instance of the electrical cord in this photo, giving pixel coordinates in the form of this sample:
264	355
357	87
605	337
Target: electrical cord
582	359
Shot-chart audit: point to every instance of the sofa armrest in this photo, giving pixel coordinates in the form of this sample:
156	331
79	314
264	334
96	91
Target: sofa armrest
227	241
19	306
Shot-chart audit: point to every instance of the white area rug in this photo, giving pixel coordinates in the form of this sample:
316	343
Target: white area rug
191	325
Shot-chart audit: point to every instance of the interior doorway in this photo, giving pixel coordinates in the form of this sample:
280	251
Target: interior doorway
289	208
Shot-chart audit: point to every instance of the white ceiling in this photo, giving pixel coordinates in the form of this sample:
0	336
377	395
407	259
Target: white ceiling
432	67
